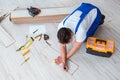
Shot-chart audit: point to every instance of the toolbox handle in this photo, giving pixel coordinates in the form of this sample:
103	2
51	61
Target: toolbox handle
100	41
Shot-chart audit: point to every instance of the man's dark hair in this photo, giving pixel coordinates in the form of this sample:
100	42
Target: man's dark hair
64	35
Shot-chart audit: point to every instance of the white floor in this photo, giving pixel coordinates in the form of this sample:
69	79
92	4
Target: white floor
83	66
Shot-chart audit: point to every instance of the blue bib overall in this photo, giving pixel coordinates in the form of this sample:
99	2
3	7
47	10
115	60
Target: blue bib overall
85	8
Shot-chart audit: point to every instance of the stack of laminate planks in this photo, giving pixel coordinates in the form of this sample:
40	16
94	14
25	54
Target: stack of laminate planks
47	15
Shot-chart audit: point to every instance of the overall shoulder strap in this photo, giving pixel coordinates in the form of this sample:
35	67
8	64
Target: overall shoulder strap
85	8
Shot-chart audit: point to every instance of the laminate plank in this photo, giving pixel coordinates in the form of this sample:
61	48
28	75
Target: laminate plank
5	37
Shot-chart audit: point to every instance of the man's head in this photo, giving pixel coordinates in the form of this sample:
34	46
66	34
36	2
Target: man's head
64	35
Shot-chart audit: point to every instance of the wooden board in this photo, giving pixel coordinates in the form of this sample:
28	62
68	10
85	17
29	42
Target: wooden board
46	15
5	38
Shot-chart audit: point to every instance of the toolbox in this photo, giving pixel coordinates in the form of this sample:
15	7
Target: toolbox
100	47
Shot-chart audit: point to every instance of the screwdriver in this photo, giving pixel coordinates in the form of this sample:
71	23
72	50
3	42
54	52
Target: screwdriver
26	45
25	52
21	48
25	60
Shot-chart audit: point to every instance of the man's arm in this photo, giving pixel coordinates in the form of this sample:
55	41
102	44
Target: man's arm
75	48
63	52
64	56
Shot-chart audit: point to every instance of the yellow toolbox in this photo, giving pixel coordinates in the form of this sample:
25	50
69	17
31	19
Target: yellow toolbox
100	47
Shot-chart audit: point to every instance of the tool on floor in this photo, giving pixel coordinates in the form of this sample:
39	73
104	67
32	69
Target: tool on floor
26	36
54	61
26	45
3	16
39	36
33	11
29	43
47	43
21	48
25	60
25	52
100	47
46	37
35	31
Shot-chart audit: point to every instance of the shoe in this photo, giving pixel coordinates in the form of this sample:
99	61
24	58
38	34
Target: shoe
102	20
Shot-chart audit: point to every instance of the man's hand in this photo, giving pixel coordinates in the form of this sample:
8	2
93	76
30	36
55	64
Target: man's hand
65	66
58	60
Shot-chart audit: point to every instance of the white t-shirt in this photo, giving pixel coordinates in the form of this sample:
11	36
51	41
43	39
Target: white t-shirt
72	21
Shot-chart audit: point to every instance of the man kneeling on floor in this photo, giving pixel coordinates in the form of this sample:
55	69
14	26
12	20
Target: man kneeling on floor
81	24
